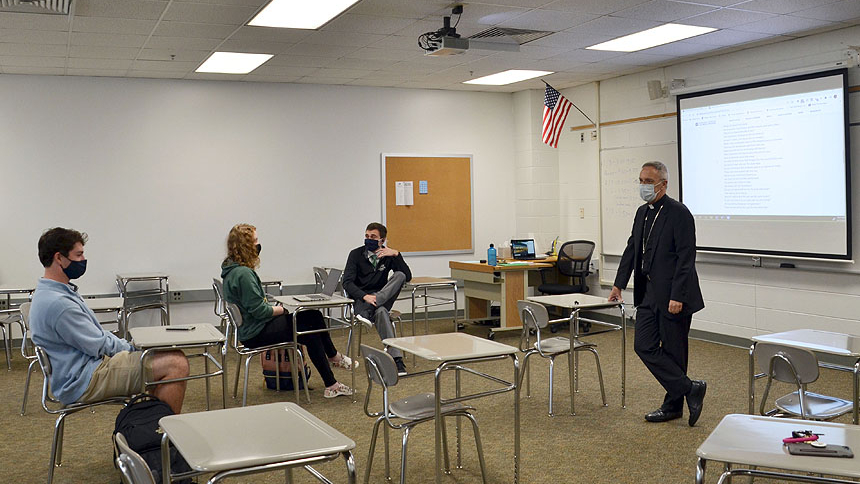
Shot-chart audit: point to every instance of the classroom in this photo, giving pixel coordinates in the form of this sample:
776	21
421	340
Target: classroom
107	127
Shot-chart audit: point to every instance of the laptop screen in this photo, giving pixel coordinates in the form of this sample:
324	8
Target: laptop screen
331	282
521	248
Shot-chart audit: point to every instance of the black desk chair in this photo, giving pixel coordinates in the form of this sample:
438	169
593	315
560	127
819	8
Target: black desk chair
574	262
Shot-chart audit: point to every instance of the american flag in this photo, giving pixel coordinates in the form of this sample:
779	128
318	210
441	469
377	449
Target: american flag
555	109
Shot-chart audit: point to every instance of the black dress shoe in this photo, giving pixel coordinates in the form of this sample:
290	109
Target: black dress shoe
661	415
695	399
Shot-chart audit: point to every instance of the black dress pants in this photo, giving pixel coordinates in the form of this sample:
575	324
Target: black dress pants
662	344
320	347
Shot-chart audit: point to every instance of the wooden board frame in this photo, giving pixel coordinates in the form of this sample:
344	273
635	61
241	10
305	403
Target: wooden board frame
437	236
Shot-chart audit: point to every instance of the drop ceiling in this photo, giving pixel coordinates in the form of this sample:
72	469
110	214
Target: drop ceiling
374	43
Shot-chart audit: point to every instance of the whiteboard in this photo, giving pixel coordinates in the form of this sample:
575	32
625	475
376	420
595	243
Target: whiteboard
619	192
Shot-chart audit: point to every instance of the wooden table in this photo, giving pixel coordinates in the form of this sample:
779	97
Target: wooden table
506	283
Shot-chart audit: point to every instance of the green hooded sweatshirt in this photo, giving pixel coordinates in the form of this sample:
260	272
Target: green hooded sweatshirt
242	287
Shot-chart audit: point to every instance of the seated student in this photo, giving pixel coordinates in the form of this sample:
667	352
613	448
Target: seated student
366	280
89	363
264	324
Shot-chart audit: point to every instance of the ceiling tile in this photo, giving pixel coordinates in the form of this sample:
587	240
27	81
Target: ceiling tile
782	6
482	14
727	37
600	7
254	77
253	46
639	59
583	55
323	80
399	8
300	61
570	40
663	11
156	74
367	24
530	51
286	71
49	50
397	42
347	39
716	3
373	82
319	50
113	25
247	3
209	14
350	63
79	63
115	40
336	72
185	29
34	71
727	18
836	12
181	43
784	24
680	49
150	65
133	9
96	72
32	61
214	77
196	56
550	20
612	26
102	52
10	20
19	36
422	68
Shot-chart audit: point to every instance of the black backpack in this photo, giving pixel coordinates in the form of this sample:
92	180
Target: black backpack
138	423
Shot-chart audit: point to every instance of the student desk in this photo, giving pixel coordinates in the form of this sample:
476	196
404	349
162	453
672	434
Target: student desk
247	440
106	305
10	316
504	283
453	351
754	441
817	341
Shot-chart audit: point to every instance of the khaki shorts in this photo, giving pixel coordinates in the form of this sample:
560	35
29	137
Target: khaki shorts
117	376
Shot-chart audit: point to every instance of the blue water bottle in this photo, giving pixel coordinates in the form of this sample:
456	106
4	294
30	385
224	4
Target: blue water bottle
491	255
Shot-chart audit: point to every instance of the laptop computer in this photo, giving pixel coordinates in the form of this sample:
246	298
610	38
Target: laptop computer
524	249
328	288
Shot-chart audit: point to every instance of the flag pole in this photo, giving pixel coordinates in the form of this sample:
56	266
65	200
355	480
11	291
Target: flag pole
573	104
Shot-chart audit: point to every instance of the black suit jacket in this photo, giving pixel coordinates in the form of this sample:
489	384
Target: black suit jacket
672	250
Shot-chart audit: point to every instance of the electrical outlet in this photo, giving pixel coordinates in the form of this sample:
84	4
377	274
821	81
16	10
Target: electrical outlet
4	304
594	136
176	296
581	212
582	137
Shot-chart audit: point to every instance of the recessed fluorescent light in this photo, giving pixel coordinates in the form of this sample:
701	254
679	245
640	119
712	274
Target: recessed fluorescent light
507	77
233	62
652	37
300	14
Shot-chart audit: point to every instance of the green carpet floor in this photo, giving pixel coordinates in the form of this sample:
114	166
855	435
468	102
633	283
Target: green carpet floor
598	445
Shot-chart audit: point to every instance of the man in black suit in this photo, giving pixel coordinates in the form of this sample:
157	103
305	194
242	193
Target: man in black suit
661	255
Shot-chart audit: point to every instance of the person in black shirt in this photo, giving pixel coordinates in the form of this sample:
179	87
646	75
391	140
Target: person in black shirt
366	280
661	255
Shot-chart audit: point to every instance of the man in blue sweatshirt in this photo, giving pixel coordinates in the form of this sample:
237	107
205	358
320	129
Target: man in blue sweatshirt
88	362
366	280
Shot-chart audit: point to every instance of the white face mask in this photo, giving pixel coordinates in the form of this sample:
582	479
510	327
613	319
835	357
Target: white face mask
647	192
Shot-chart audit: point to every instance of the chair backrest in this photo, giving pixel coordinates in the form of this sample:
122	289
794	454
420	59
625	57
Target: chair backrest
218	287
24	308
574	258
131	465
320	275
534	315
233	314
784	358
383	362
44	362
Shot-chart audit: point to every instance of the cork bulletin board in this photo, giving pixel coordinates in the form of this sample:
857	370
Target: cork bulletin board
438	221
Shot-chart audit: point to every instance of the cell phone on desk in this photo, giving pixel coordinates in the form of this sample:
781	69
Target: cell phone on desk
180	328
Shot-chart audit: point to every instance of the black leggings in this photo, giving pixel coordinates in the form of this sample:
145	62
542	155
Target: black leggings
280	329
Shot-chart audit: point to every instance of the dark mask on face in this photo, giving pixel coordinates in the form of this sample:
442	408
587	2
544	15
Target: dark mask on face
371	244
75	269
259	248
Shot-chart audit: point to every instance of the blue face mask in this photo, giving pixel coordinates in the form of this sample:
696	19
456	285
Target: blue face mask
75	269
647	192
371	244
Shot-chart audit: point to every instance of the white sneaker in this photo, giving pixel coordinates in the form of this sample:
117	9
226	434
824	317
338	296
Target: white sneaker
364	321
344	362
337	390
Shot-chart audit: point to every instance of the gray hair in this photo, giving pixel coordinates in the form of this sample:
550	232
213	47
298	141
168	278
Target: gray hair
660	167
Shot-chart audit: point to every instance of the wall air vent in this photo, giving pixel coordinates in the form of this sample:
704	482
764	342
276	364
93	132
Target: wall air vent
54	7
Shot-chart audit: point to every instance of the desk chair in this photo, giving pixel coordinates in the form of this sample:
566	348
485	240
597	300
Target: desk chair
27	352
220	304
535	317
574	261
800	367
234	321
411	411
9	318
55	407
132	467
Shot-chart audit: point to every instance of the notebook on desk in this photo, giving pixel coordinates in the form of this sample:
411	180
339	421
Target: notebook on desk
524	249
328	288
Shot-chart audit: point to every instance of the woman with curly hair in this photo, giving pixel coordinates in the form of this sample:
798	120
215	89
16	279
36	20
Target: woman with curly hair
264	324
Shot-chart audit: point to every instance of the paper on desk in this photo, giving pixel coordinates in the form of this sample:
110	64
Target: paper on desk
403	193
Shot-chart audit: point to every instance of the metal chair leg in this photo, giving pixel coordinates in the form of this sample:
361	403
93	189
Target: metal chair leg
446	457
551	366
478	445
385	439
238	371
56	446
245	385
403	456
373	438
7	346
301	364
32	365
599	375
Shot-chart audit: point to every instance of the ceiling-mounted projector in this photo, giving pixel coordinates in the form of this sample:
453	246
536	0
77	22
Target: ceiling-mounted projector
446	40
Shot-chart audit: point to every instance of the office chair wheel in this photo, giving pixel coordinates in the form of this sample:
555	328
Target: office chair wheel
491	335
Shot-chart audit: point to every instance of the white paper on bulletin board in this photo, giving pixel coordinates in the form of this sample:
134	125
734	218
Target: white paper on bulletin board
404	193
